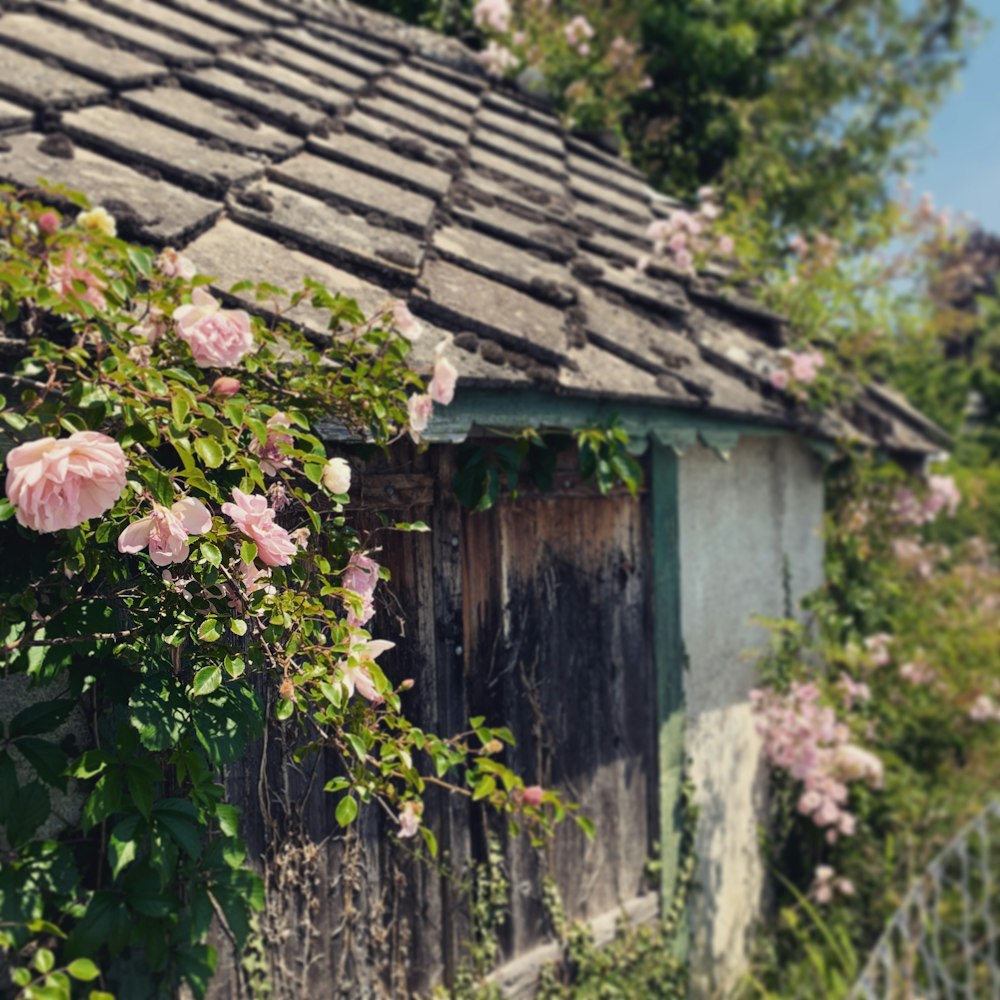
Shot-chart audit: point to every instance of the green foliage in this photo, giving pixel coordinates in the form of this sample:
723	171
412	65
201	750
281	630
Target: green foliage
138	684
919	716
487	471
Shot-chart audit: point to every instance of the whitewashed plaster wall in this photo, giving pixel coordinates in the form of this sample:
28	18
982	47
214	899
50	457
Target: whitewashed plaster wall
741	522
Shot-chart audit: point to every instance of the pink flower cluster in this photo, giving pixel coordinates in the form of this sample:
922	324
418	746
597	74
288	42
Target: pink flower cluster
917	673
822	248
271	454
253	517
497	59
492	14
440	389
682	234
984	709
58	483
943	495
578	31
405	322
800	368
62	278
361	578
165	531
219	338
877	648
806	740
826	882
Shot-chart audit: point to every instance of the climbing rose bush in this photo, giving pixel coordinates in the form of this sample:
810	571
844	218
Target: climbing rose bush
176	543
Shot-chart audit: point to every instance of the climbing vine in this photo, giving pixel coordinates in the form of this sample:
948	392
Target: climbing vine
180	572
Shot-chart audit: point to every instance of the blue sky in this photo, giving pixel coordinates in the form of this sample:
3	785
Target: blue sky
963	169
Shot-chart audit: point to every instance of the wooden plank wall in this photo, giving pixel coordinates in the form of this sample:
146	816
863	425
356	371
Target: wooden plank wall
535	614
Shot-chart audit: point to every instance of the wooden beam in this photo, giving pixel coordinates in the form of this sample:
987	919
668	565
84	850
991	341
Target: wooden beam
668	651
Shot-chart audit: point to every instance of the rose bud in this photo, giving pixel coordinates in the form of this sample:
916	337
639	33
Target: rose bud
226	385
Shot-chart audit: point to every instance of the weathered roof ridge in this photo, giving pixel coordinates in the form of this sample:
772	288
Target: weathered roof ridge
272	139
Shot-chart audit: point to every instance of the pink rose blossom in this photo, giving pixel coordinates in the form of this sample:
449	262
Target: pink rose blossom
917	673
578	30
405	322
442	384
361	578
519	38
532	796
165	532
497	59
420	407
174	265
271	454
493	14
877	647
646	83
726	246
779	379
254	578
984	709
62	276
583	49
944	495
58	483
255	519
409	818
355	669
48	223
225	385
219	338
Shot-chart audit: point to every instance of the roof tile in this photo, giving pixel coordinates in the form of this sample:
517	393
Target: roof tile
398	137
222	15
199	116
192	161
259	96
13	116
300	61
263	259
277	74
398	89
134	35
191	29
331	50
151	209
331	181
475	302
379	161
410	73
75	50
328	232
546	138
609	198
437	131
38	84
483	158
513	150
513	265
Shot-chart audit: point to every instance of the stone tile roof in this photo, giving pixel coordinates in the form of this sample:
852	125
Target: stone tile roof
277	138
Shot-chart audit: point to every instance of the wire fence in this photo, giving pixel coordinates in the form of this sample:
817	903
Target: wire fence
943	943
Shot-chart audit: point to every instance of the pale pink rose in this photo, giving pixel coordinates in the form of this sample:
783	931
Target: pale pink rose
253	517
877	647
409	818
420	407
48	223
355	670
254	578
577	30
271	455
225	385
710	211
519	38
58	483
174	265
361	578
300	536
405	322
684	260
62	276
646	83
219	338
166	531
917	673
532	796
583	49
278	496
726	246
779	379
706	193
984	709
659	230
493	14
442	385
853	763
497	59
337	476
151	326
944	495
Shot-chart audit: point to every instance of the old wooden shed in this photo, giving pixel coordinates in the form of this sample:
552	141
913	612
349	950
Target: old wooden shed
272	140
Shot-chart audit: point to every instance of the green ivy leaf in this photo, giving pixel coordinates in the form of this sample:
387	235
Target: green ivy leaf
206	680
84	970
209	630
347	810
210	451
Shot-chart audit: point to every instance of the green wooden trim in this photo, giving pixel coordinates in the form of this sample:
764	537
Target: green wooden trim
486	409
668	652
